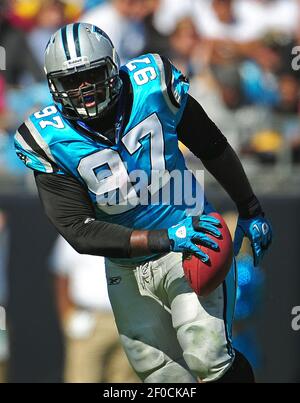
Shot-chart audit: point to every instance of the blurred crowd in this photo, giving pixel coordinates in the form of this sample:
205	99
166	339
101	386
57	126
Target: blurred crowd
241	56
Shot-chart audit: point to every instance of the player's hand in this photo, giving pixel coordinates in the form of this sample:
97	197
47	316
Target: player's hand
191	230
259	232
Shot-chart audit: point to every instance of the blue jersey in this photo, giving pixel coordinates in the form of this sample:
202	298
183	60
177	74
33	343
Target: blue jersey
130	182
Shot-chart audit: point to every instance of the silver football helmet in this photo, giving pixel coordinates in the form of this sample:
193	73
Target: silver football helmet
82	68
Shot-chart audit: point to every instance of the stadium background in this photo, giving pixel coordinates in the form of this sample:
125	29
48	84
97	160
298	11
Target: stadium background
240	57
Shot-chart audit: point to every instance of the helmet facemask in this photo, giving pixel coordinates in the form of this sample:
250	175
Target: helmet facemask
86	92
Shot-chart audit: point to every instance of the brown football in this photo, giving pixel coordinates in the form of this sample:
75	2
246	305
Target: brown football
206	277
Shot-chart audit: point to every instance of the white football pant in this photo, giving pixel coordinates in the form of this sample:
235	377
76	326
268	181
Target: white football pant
169	334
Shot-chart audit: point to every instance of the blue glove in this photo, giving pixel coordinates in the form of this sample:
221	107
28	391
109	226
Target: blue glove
259	232
191	230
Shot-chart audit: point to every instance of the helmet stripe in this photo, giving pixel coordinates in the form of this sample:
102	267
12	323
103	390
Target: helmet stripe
76	38
70	39
65	42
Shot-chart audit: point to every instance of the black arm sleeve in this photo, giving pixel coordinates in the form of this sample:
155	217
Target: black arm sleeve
229	172
203	138
69	208
199	133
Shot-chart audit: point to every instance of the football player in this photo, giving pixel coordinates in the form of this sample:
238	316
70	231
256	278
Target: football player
106	123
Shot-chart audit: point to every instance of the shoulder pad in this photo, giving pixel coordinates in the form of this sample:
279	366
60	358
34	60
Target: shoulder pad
33	149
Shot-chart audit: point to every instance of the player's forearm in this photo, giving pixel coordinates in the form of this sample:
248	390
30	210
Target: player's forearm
229	172
145	243
109	240
97	238
114	241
